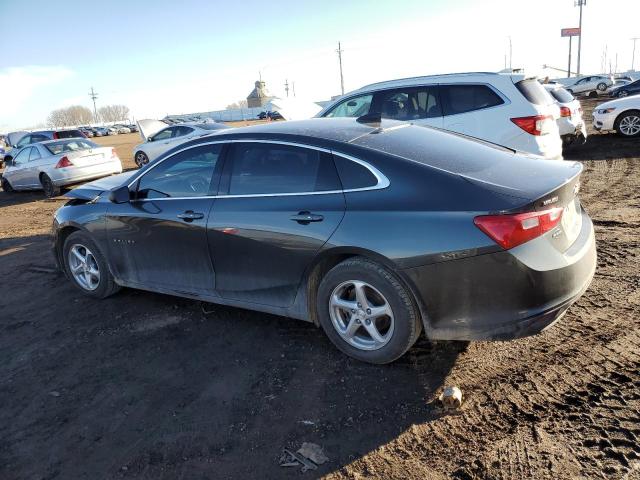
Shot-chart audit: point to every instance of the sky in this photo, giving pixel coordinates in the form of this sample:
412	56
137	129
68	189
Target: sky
169	57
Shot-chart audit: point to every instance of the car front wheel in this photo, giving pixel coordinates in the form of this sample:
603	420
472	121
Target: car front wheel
622	94
366	311
628	124
86	267
141	159
602	86
6	186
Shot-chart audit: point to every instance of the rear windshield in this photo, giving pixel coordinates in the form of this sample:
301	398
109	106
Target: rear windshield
561	95
70	146
69	133
534	92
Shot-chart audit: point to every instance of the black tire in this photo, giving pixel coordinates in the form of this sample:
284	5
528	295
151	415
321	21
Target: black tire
601	86
106	285
6	186
50	190
141	159
406	318
629	114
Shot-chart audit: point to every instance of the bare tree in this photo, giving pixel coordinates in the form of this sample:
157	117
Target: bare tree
238	104
70	116
113	113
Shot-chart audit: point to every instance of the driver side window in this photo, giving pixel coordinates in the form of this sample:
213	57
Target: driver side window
22	157
163	134
353	107
189	173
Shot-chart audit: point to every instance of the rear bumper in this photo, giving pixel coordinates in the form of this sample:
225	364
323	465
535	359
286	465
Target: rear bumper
73	175
501	295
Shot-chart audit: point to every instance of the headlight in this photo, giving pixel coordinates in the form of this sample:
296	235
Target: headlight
605	110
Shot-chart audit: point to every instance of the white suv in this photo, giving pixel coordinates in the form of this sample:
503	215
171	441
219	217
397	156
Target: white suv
506	109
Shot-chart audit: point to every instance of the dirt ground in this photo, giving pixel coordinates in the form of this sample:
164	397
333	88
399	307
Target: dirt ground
150	386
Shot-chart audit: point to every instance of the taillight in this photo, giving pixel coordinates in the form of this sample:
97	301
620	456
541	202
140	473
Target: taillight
64	162
512	230
565	112
535	125
55	135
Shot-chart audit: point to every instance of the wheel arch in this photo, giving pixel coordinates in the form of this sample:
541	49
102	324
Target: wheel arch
329	258
622	114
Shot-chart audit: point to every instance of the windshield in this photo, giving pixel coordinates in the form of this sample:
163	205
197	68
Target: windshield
70	146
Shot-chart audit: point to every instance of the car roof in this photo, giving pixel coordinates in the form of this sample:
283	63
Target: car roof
446	77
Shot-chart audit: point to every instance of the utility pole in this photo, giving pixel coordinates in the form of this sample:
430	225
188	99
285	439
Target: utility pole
579	3
633	55
286	87
293	87
569	67
510	54
93	95
340	62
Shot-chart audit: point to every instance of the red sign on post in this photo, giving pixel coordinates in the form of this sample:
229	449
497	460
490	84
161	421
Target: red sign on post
569	32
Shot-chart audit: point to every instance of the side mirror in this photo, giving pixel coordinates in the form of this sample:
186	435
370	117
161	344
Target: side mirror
120	195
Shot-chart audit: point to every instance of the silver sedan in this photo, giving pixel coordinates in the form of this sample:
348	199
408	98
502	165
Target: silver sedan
54	164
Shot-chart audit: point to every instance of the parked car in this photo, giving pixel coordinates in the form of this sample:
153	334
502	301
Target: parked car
159	137
570	124
373	231
133	128
621	115
630	88
112	131
53	164
122	128
42	136
87	132
507	109
593	83
101	132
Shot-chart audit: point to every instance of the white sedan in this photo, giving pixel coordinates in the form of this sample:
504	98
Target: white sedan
621	115
593	83
54	164
160	137
571	125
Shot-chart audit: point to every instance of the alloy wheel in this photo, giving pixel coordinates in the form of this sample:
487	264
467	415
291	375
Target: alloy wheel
623	93
630	125
84	267
361	315
141	159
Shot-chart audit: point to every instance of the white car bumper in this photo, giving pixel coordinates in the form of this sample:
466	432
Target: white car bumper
604	121
572	128
72	175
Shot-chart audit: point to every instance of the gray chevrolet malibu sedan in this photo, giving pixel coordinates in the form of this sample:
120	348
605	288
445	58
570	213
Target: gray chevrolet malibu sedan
373	231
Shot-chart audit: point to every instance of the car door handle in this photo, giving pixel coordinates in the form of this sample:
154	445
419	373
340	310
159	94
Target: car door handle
305	218
190	216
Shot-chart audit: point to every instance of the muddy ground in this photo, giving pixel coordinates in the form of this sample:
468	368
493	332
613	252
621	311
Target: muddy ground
150	386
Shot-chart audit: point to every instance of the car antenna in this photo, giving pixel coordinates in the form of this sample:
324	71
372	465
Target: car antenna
373	120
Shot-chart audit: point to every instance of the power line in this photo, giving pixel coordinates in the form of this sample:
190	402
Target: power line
93	95
339	51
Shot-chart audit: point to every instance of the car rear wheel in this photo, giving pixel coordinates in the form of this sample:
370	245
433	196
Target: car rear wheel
366	312
50	190
86	267
602	86
622	94
141	159
6	186
628	124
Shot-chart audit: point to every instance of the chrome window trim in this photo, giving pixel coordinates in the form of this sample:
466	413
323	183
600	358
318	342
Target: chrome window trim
382	180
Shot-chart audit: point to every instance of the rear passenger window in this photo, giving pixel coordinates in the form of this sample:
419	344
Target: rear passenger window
272	169
354	175
35	154
353	107
467	98
408	103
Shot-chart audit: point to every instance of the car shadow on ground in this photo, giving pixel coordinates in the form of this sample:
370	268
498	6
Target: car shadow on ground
156	386
604	146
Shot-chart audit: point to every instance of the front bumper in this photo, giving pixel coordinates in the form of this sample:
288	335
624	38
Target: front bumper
498	296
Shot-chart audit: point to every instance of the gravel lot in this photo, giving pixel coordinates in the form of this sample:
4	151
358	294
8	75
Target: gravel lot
150	386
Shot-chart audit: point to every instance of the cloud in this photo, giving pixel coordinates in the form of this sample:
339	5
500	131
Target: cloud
23	82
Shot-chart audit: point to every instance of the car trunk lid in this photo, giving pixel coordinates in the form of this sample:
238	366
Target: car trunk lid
149	127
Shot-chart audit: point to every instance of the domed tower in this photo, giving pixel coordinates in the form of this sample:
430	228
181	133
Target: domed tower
259	95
